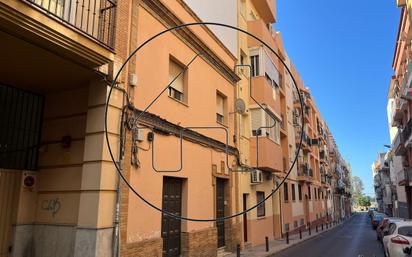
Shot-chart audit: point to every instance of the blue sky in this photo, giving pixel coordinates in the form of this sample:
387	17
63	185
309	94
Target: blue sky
343	51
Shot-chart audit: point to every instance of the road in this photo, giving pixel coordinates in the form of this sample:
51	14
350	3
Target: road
355	238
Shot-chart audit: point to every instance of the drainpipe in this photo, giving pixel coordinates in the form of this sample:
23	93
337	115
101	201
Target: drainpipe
116	232
280	212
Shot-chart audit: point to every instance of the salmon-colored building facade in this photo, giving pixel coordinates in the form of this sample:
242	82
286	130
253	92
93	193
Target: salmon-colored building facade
205	149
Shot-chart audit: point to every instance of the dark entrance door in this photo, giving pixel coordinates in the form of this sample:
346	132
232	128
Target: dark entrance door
220	211
171	227
245	217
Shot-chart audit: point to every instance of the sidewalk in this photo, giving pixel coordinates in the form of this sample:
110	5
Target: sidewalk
279	245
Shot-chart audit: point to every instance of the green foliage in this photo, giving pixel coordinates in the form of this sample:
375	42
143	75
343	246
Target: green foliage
364	201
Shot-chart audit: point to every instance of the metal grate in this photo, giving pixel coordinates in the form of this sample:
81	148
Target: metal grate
21	117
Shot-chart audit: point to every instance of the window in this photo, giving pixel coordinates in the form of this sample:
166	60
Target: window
176	74
293	192
260	196
405	231
286	191
286	227
20	128
220	108
295	223
263	121
254	62
273	132
268	79
392	228
256	121
300	192
316	195
309	193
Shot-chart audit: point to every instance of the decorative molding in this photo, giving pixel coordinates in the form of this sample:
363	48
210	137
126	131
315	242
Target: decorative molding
169	19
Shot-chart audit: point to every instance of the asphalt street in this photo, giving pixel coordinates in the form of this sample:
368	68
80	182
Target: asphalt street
355	238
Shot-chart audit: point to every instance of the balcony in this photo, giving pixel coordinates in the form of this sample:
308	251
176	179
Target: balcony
261	31
307	114
399	143
305	173
401	2
266	9
94	18
404	176
323	179
270	156
396	114
406	134
339	191
263	92
322	155
80	31
306	141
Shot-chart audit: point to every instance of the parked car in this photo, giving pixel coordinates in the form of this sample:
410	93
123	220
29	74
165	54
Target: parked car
377	218
397	241
384	226
370	212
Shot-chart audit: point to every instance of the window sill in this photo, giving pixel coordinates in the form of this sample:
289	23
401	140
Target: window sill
261	217
223	124
176	100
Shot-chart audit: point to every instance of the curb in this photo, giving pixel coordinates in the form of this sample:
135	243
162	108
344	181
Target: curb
308	238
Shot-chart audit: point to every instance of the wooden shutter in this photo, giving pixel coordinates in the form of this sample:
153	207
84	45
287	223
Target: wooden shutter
220	104
256	118
174	70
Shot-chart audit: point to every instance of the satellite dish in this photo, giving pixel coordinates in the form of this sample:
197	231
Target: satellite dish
240	106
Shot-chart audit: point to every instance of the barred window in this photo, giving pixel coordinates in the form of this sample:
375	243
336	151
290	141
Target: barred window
260	196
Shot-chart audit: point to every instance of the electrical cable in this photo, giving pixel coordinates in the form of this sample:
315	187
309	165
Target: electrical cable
166	213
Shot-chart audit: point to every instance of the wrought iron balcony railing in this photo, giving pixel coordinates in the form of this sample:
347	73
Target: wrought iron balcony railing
94	18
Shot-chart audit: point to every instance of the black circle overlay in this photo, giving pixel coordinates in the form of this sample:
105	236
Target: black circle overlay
113	84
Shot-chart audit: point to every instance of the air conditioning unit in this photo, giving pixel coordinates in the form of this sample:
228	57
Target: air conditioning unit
256	177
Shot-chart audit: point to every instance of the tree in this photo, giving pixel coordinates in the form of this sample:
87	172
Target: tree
364	201
357	192
357	186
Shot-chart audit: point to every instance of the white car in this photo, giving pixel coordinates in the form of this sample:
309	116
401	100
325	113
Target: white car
397	241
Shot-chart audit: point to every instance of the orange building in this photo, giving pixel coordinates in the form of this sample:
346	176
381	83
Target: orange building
188	177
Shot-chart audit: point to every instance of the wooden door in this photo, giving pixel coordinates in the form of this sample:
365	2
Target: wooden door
9	196
220	211
306	208
171	227
245	218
